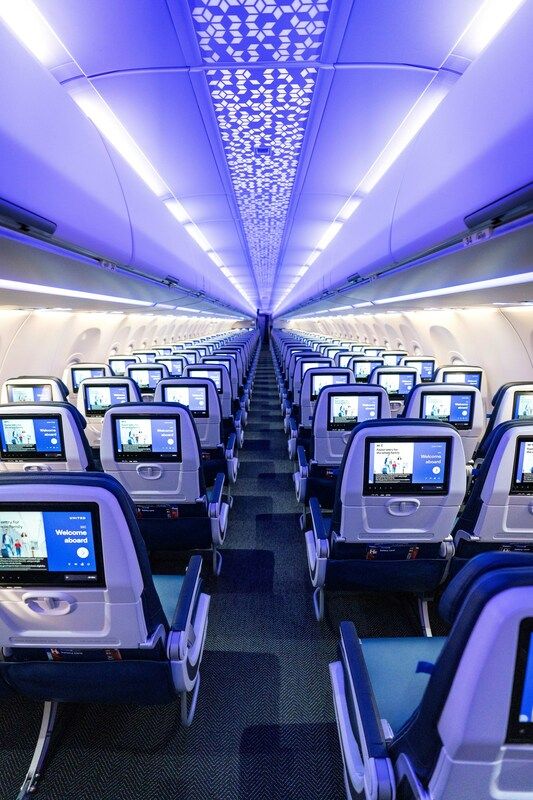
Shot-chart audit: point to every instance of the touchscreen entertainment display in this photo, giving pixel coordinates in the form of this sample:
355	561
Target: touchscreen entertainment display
26	438
50	544
348	409
139	438
454	408
404	466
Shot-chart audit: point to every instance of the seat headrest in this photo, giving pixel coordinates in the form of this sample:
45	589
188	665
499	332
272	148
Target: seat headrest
457	590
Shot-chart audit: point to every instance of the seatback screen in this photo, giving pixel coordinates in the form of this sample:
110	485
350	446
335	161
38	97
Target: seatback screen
346	410
194	397
190	355
119	366
344	359
146	379
330	379
174	365
32	438
214	374
29	393
164	351
523	468
471	378
311	365
50	544
454	408
425	369
397	384
140	438
523	405
391	359
407	466
98	398
225	362
362	369
79	375
520	727
372	351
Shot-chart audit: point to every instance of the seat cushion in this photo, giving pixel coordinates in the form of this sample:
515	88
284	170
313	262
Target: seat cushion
168	588
392	666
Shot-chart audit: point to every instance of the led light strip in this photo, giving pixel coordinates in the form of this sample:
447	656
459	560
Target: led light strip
480	31
30	26
19	286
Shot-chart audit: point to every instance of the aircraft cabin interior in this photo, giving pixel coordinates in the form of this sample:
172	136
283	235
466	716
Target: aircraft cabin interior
266	399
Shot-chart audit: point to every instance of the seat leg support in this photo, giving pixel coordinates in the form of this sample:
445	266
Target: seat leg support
318	603
187	712
423	613
217	561
36	767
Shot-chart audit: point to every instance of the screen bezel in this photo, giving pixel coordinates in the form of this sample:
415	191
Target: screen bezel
196	414
101	413
20	579
169	458
517	395
517	489
33	386
477	372
214	361
339	426
520	732
313	394
76	386
56	457
174	359
397	395
387	489
209	368
460	427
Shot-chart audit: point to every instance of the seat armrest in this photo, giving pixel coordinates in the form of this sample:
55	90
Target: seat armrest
237	417
317	520
293	428
216	493
230	445
360	687
303	464
189	591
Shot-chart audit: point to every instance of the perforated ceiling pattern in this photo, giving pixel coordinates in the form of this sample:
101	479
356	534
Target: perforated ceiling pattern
268	108
259	30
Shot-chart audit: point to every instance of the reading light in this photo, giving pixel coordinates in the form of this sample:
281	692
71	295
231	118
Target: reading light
19	286
490	283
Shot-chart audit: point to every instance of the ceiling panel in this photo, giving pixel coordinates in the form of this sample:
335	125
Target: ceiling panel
107	35
406	31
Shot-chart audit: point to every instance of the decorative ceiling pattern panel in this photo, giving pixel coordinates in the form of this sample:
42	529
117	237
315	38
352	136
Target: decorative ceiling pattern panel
261	109
247	31
266	109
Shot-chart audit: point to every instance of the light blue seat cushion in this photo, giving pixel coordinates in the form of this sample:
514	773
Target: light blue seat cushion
392	665
168	588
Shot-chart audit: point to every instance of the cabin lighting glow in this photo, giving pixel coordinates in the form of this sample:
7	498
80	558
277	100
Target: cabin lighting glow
27	23
490	283
215	258
177	210
489	20
19	286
